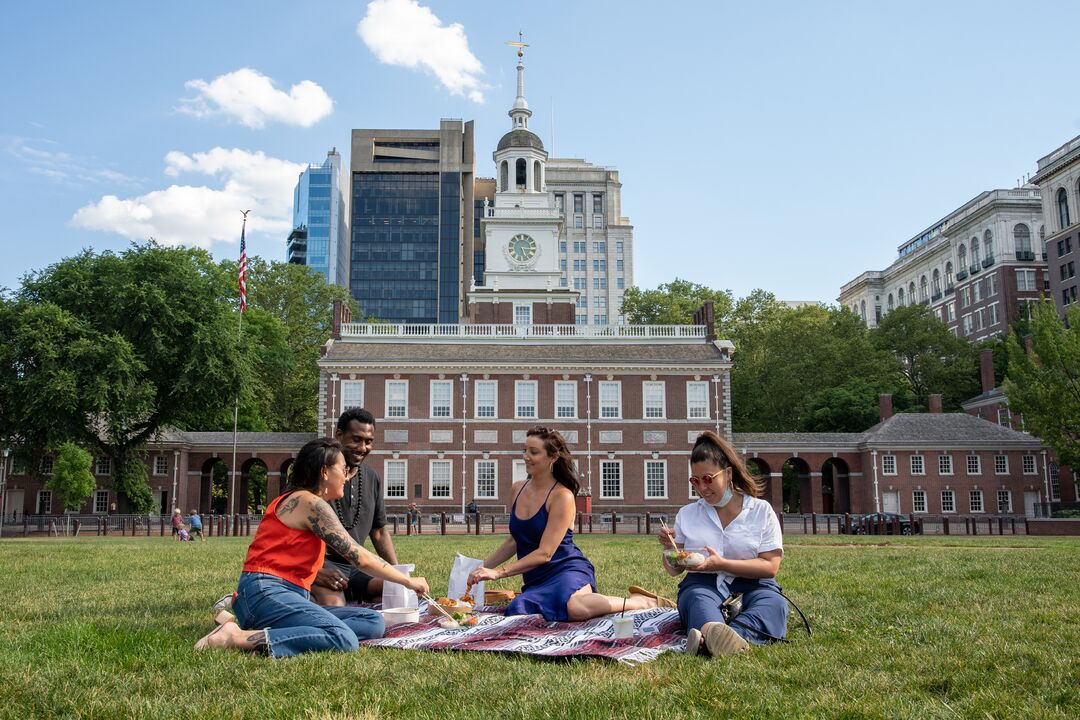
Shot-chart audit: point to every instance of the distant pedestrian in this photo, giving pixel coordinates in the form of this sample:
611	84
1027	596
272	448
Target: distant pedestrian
414	516
196	525
177	523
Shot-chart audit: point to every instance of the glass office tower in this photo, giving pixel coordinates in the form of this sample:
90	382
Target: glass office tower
412	220
320	234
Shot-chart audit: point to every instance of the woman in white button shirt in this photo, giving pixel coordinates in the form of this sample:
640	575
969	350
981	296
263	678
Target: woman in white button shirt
743	549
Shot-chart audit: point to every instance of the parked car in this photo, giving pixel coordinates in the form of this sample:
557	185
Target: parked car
887	522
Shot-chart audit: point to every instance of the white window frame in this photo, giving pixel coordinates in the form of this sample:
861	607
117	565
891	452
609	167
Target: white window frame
974	495
944	465
973	461
606	405
393	389
441	408
606	465
1029	462
886	461
103	465
649	406
917	460
523	313
390	468
46	465
161	465
477	470
518	472
480	407
1007	494
449	467
651	466
519	385
566	407
918	497
352	395
693	492
951	495
1001	464
697	408
101	502
44	502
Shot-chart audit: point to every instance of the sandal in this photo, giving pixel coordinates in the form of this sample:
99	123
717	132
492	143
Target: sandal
661	601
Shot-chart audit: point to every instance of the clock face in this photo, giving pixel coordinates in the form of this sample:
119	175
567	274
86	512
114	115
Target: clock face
522	248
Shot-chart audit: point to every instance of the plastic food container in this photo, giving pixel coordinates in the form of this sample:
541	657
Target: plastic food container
457	607
686	557
396	616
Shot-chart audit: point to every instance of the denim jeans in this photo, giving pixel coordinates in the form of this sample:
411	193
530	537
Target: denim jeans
293	623
764	613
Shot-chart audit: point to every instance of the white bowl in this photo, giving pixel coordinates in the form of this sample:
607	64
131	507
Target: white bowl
396	616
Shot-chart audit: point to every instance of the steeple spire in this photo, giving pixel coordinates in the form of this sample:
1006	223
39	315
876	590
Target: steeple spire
520	113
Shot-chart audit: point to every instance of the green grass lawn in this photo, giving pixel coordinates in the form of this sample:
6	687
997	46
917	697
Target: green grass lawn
907	627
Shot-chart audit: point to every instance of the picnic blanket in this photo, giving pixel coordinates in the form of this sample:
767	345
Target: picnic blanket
654	634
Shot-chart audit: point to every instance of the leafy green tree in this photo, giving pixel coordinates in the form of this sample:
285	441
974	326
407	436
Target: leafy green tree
72	480
290	309
932	359
1044	385
106	350
673	303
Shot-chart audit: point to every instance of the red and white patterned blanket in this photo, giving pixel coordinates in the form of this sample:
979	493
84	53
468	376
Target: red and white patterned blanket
654	634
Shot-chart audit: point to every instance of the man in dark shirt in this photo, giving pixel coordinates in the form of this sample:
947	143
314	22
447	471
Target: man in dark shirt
361	513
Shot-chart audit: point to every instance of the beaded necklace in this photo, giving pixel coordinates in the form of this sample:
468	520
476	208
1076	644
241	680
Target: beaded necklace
357	497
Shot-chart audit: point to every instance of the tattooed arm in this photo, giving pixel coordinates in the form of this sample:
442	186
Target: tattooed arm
305	511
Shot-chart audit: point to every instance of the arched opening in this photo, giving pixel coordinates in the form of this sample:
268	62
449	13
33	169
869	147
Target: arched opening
538	185
282	480
835	487
252	497
961	255
948	275
504	176
911	293
936	283
1022	238
923	289
1063	208
520	175
900	297
862	310
974	252
760	470
214	487
796	475
988	245
889	302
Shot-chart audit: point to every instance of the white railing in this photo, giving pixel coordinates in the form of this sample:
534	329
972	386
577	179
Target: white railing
540	213
570	332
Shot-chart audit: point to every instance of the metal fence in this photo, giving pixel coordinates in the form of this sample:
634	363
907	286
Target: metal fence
498	523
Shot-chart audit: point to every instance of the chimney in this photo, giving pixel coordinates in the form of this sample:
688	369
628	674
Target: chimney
935	403
342	314
885	406
986	369
704	316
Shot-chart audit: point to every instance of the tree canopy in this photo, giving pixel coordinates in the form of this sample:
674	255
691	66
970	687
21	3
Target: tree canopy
672	303
71	478
1044	384
107	349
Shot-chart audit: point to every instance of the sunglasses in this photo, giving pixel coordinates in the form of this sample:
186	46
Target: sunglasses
706	479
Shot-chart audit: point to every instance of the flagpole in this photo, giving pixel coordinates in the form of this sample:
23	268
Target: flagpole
242	282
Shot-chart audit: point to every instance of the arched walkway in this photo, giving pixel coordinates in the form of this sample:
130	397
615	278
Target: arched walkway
797	490
252	491
763	472
835	486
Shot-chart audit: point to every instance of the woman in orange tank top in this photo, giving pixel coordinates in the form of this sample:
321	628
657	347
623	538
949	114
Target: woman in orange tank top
274	612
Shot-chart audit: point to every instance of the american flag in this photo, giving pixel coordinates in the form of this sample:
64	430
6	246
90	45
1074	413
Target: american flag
243	270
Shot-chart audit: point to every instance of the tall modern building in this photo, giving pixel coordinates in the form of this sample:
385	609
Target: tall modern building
1058	176
320	236
412	222
976	268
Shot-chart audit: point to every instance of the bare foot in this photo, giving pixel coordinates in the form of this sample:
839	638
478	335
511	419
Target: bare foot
223	636
643	602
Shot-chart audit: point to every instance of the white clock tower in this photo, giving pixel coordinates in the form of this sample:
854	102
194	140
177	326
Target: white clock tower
521	231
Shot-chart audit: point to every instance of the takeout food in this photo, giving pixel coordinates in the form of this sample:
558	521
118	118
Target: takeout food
450	606
498	597
685	557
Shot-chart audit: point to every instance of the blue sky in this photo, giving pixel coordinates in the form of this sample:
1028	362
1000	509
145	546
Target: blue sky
787	146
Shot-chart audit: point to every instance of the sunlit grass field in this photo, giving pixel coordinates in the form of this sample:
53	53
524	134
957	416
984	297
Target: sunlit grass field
903	628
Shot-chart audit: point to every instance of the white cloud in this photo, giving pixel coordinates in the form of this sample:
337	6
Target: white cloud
201	215
406	33
250	97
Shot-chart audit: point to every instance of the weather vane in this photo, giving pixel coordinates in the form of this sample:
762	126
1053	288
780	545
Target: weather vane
519	44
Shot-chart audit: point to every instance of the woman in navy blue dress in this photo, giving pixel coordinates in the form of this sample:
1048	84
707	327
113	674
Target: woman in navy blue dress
559	581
